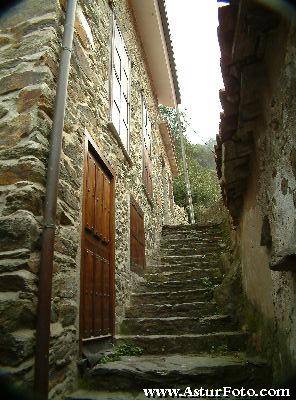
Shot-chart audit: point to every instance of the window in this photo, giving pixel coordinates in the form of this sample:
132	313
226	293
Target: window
147	151
120	102
147	130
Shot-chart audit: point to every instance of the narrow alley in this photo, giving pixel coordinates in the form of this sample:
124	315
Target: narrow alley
147	199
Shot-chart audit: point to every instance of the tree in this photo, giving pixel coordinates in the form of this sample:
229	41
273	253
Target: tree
201	166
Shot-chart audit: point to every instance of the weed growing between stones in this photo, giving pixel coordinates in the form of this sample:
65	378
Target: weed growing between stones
126	349
207	282
222	349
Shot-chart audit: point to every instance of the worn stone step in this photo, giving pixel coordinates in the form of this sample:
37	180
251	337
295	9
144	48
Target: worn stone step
205	228
172	297
193	251
211	273
132	374
192	258
183	228
190	247
195	309
191	237
175	325
187	344
175	285
191	243
104	395
201	230
173	241
183	266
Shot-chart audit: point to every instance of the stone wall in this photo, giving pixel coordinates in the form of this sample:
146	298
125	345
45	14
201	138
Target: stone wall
29	47
30	38
180	216
265	186
271	197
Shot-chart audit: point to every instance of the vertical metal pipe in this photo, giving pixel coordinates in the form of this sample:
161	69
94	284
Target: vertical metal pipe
47	249
185	167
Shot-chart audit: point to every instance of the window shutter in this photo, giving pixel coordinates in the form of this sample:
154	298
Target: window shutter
147	152
120	87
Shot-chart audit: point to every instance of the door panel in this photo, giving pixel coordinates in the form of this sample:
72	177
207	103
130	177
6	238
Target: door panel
106	225
106	298
98	202
90	185
98	299
97	273
88	293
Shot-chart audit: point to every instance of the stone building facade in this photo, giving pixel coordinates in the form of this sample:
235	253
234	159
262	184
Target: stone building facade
256	165
30	40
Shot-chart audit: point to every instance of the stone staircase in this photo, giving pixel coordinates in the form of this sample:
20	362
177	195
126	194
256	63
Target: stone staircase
186	339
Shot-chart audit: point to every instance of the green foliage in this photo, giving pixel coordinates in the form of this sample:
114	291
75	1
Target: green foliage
201	166
221	349
207	282
125	349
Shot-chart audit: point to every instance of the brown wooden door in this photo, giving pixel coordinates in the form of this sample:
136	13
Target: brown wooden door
137	237
97	269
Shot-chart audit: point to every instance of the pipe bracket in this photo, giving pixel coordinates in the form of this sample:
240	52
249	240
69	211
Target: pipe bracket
50	226
67	48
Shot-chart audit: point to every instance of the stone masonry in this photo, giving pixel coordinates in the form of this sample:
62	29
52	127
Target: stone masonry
256	165
30	39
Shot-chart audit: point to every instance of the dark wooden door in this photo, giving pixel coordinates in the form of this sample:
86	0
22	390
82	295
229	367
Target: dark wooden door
97	268
137	238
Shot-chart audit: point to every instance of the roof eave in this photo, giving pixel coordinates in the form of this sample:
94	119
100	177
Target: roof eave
152	25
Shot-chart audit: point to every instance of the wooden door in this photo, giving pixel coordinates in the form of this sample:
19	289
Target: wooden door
97	289
137	238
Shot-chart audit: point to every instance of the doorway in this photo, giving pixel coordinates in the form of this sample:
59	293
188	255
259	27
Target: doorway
97	270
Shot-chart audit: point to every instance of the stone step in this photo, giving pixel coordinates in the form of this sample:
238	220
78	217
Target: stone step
201	229
183	243
196	309
190	237
175	325
189	251
172	297
183	266
103	395
132	374
211	273
200	241
187	344
175	285
191	246
192	258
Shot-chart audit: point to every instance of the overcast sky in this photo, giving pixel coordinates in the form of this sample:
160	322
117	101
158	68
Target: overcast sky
193	25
